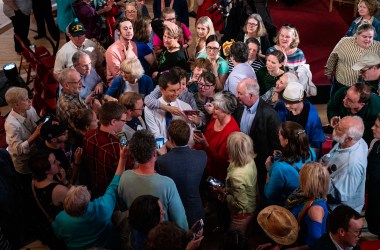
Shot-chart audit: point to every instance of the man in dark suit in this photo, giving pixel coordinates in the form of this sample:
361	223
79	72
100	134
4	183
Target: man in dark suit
185	166
261	122
345	228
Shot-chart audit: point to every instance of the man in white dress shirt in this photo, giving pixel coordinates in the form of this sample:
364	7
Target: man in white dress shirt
158	120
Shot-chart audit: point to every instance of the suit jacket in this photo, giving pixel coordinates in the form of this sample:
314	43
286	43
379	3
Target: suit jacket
325	243
185	166
264	133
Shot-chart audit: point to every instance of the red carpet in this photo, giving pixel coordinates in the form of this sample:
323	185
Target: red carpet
319	29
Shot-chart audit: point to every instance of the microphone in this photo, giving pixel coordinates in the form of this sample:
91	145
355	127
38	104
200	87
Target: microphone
332	168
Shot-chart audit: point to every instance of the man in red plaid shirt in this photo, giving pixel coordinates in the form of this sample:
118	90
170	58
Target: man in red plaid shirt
101	147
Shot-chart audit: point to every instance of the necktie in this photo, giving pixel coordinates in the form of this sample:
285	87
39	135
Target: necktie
168	118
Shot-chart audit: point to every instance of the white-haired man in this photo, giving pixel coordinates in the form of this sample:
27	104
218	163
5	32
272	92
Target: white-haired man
348	163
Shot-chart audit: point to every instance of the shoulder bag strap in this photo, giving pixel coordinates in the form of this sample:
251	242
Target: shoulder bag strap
39	204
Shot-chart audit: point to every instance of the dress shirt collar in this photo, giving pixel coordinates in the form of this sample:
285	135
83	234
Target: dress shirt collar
337	245
253	108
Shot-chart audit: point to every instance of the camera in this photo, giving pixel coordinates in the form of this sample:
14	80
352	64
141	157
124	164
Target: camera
160	142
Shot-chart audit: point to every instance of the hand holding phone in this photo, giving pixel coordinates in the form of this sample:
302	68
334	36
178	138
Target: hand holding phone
198	226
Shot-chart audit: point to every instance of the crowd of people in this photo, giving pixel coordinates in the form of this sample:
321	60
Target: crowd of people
150	138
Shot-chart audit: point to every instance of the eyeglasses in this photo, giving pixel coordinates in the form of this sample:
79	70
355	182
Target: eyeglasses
252	24
362	71
78	82
205	86
125	121
348	99
357	233
130	11
212	48
86	66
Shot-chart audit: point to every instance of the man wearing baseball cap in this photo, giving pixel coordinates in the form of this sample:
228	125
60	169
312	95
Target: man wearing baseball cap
76	33
369	70
55	134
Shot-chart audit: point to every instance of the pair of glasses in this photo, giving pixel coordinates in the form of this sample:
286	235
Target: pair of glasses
205	86
362	71
356	233
78	82
130	11
86	66
212	48
252	24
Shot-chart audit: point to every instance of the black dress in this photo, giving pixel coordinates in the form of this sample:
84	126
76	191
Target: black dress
44	197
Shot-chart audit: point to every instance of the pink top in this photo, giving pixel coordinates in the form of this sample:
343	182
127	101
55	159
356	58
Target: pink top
186	36
114	56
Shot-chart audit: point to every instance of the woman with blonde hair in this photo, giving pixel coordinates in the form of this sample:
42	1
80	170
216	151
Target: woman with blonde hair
204	28
287	40
254	28
131	79
241	181
309	204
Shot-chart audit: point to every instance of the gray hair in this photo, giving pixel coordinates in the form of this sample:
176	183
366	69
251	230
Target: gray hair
357	130
65	74
78	55
251	86
76	201
225	101
15	94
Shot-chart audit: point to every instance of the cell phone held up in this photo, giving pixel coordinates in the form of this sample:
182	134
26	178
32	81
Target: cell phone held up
123	139
198	227
214	182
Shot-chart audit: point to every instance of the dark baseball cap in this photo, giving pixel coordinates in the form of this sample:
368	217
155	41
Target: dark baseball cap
76	28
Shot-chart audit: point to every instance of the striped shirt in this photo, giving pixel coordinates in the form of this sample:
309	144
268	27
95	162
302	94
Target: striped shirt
293	60
345	54
256	65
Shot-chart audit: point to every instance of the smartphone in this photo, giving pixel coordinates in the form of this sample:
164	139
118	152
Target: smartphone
198	132
47	118
160	142
198	226
214	182
123	139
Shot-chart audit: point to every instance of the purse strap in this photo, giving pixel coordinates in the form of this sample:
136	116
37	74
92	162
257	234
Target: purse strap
39	204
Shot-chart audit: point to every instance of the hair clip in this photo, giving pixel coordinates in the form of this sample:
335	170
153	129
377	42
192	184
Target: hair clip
300	132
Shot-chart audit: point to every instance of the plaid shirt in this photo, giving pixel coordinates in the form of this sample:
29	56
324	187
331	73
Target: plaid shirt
67	104
101	157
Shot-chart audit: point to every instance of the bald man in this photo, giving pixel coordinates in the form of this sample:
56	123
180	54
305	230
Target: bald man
349	155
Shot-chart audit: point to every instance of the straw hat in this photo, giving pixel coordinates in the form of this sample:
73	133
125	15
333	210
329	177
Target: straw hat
279	224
